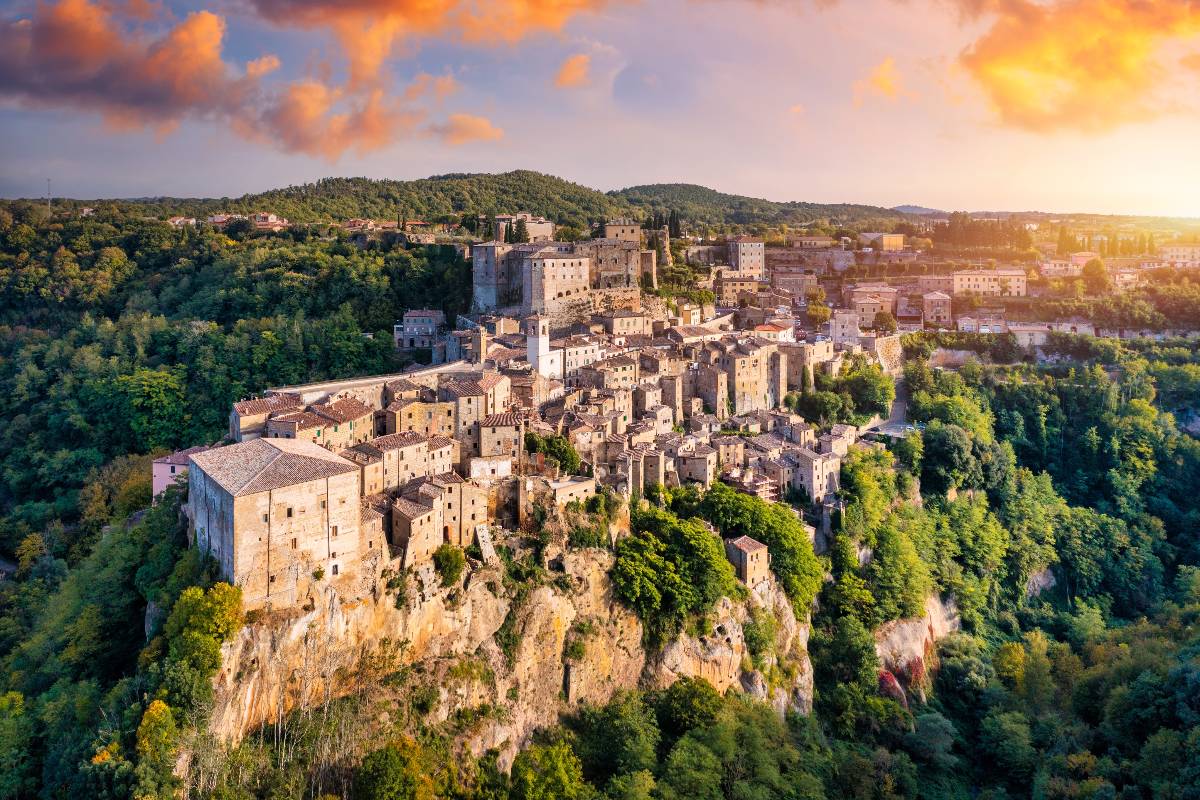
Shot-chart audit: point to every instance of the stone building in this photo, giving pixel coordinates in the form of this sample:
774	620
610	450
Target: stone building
552	279
170	469
936	309
750	559
275	514
990	282
748	256
248	418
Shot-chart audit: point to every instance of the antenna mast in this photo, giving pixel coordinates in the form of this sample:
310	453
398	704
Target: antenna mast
48	195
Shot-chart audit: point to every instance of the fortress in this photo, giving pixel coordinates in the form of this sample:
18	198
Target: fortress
563	279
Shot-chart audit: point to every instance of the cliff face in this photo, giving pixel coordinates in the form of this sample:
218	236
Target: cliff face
568	642
907	648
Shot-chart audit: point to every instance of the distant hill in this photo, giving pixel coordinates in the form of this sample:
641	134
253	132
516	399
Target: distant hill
920	211
701	204
332	199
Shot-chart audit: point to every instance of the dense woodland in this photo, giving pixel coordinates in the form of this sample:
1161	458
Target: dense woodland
1055	504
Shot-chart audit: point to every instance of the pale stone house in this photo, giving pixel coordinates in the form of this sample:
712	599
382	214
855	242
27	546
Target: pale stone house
275	514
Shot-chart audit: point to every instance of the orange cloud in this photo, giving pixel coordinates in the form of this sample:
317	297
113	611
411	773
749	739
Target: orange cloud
464	128
262	66
884	81
370	30
81	54
574	72
1087	65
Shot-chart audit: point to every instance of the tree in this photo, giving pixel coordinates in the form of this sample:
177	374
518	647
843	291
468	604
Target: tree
520	232
156	746
392	773
449	562
818	313
1095	277
947	459
547	772
885	322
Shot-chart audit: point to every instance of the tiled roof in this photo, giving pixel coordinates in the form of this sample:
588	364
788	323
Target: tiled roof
303	420
410	509
746	544
509	419
490	381
438	442
457	388
395	441
264	464
344	410
265	405
180	457
404	385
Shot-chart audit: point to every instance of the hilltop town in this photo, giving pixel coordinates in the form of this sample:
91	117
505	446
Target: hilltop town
573	377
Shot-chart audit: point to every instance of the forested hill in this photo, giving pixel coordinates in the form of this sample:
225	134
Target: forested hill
445	198
708	206
437	198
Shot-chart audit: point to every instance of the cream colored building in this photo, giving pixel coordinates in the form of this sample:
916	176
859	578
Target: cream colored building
991	282
276	515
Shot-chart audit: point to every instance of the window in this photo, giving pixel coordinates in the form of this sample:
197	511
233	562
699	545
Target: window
335	568
272	579
289	512
265	518
172	470
333	555
293	544
333	531
322	504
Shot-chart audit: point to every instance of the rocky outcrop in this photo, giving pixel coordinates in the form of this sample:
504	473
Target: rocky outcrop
566	641
907	648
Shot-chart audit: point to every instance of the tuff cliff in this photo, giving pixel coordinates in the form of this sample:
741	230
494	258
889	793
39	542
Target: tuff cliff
498	661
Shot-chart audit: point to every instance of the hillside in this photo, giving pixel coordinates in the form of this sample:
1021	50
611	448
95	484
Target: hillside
445	197
708	206
431	198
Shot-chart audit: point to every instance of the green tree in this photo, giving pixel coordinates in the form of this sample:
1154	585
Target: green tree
449	561
547	772
392	773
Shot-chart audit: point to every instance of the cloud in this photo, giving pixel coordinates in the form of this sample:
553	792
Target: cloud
262	66
574	72
798	110
883	81
464	128
74	54
370	30
1088	65
84	55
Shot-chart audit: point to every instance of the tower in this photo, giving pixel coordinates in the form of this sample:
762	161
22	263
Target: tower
479	343
542	359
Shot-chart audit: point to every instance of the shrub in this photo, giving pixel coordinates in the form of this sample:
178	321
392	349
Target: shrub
449	562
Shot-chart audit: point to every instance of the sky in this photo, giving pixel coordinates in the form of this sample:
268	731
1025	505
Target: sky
1056	105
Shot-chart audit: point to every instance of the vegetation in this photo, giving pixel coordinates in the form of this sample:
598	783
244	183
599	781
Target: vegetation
558	448
449	561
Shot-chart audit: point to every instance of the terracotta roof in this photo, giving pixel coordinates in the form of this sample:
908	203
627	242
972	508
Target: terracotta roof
345	410
265	405
404	385
438	442
458	388
510	419
264	464
395	441
490	380
409	508
180	457
746	544
303	420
